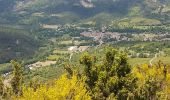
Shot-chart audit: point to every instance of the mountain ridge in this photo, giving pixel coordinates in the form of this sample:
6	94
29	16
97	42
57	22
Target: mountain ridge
86	8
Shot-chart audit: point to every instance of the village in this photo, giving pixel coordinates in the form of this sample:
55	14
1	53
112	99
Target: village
115	36
81	43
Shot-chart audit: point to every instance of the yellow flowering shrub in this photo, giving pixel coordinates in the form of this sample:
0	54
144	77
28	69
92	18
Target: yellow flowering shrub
62	89
157	76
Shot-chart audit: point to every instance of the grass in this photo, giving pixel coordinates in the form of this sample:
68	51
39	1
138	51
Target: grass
4	68
139	21
66	17
57	51
44	74
138	61
103	18
167	51
165	60
53	57
57	54
135	11
66	42
144	21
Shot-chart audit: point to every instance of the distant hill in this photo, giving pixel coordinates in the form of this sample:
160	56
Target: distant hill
32	13
16	43
76	10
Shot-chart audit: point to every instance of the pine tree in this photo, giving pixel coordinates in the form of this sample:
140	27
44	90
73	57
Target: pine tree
16	81
112	78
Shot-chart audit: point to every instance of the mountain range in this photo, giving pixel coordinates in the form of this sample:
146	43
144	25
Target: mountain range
50	11
29	15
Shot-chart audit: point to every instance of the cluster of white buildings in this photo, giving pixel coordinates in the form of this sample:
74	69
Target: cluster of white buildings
76	48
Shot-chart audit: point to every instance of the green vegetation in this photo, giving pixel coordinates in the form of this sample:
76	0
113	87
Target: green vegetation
16	43
16	81
43	74
40	36
53	57
139	61
163	59
112	79
5	68
59	12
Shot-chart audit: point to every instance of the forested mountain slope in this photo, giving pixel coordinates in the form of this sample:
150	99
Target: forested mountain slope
46	10
33	13
15	43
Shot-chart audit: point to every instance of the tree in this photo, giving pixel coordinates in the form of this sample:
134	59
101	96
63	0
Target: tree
16	81
1	87
90	73
112	78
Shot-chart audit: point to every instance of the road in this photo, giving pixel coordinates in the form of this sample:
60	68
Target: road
70	56
7	82
100	43
156	55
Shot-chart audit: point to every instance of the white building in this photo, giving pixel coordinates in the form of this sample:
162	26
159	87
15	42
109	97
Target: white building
73	48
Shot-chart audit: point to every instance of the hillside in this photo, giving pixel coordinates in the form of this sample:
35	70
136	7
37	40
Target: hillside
96	78
121	14
16	43
48	11
84	49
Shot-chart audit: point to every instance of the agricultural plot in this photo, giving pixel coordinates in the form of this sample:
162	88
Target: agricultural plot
165	60
138	61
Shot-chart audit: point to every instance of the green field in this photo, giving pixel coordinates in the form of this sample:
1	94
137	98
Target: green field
138	61
57	51
53	57
165	60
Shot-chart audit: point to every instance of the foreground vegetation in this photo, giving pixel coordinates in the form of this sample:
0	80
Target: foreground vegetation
107	79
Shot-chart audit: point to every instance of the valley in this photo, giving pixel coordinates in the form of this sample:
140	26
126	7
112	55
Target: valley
84	49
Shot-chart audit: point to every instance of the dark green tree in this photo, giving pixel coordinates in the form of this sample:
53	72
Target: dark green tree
89	70
110	79
16	81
